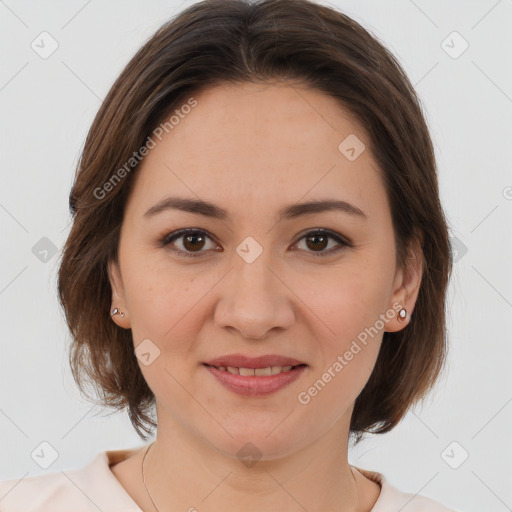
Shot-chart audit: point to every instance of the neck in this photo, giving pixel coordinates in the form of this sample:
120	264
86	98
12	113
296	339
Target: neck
183	472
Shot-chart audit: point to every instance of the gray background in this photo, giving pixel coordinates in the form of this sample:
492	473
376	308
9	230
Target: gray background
47	105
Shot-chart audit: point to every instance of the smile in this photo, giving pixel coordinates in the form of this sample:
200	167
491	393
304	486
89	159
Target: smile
255	381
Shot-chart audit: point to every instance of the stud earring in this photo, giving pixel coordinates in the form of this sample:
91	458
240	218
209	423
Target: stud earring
402	314
116	311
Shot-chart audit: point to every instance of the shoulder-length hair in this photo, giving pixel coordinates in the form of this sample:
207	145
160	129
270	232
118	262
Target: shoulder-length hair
238	41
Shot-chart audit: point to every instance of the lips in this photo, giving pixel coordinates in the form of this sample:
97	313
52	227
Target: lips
256	385
255	376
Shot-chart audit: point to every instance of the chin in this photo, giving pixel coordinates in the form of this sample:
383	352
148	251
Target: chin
253	444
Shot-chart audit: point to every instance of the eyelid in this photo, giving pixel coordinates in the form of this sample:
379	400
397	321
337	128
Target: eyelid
168	239
342	241
324	231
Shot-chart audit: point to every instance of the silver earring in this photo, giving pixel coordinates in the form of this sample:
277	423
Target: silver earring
402	314
116	311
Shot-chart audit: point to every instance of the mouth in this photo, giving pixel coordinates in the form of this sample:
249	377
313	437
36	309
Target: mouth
257	375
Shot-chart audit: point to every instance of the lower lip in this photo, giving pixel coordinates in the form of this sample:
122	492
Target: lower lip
255	385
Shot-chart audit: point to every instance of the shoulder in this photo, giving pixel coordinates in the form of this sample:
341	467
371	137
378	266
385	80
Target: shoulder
91	488
40	493
391	498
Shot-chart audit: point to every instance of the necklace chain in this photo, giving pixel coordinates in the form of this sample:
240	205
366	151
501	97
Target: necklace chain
150	497
144	480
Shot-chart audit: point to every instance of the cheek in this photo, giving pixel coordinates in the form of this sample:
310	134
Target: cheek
163	302
349	301
350	306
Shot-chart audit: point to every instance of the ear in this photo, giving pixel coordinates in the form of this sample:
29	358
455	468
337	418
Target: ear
406	286
118	296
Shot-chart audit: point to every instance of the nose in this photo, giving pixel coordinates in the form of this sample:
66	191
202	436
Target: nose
254	299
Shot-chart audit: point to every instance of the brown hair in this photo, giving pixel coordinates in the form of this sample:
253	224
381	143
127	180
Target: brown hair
238	41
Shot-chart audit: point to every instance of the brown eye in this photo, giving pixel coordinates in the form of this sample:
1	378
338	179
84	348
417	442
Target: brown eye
192	241
318	241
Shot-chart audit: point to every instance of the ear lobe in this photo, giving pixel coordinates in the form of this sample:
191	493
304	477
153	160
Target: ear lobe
118	296
407	285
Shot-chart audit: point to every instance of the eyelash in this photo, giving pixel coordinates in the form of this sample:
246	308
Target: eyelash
171	237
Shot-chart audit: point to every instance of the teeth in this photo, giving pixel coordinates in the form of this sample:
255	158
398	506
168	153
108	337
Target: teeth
262	371
247	372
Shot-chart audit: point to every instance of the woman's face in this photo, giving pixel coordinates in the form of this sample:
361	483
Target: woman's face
259	281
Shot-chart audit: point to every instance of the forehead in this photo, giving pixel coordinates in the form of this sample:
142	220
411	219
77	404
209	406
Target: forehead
259	144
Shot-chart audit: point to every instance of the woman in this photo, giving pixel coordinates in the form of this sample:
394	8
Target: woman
259	252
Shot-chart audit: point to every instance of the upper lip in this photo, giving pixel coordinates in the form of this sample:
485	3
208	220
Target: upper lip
242	361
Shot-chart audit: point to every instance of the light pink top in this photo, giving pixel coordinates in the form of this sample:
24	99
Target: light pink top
94	488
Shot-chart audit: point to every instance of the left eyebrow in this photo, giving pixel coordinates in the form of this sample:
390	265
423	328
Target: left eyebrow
292	211
296	210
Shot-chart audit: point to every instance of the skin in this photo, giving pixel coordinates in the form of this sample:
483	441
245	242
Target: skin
251	149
